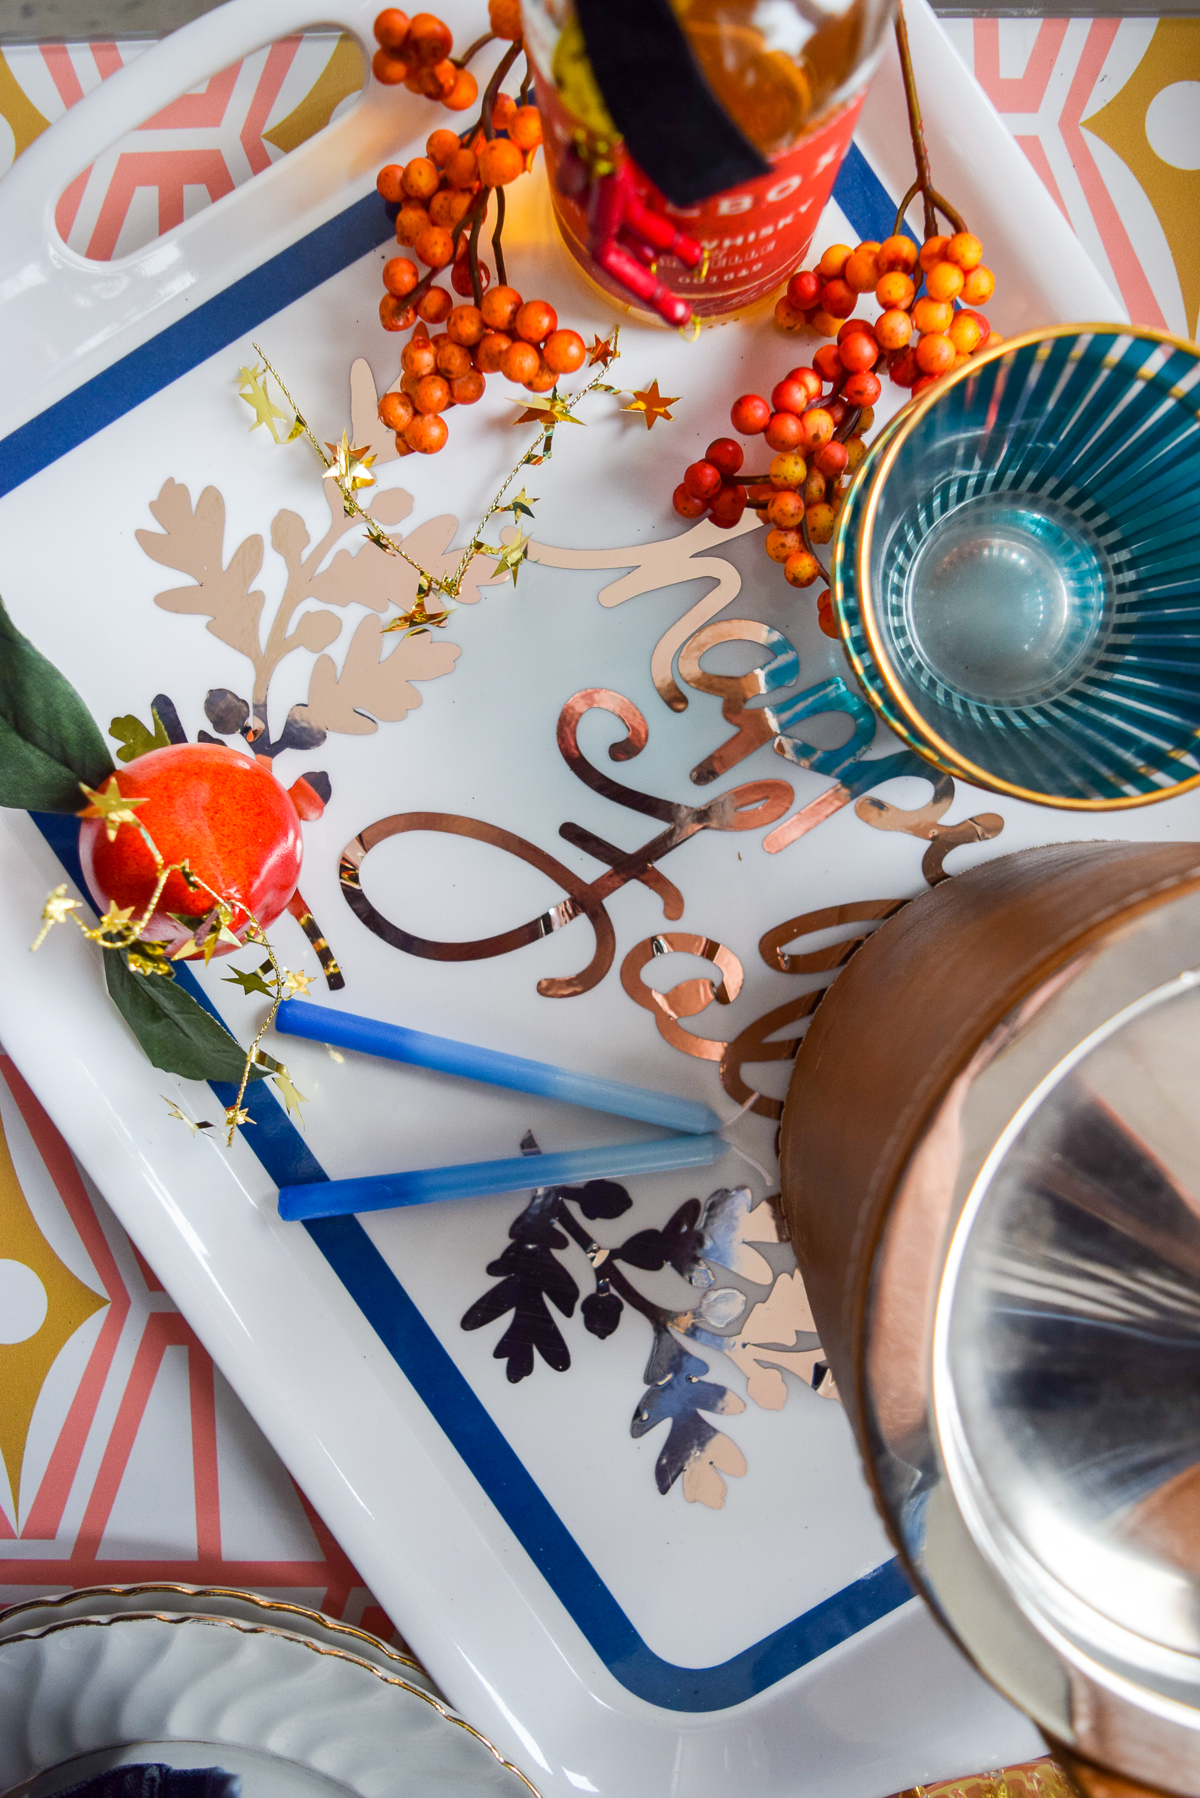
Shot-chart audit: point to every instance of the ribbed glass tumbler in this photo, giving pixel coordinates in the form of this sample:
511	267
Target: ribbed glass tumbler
1016	574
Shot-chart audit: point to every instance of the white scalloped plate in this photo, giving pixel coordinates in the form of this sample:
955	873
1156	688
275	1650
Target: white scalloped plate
159	1596
296	1718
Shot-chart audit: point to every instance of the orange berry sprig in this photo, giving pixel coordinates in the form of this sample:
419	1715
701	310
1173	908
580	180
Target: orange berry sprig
440	201
416	52
928	297
818	440
504	334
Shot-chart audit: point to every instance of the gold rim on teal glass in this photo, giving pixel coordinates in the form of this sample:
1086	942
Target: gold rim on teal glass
1081	423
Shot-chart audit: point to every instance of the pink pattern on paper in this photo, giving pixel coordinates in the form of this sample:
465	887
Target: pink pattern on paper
1033	148
1136	291
265	95
193	111
167	171
45	1514
1026	92
150	1327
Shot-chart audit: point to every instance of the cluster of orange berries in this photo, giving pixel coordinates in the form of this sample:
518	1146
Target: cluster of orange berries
927	325
436	192
818	439
416	52
503	335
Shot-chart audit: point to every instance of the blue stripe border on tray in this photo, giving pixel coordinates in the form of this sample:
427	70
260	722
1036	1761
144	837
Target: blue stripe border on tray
287	1158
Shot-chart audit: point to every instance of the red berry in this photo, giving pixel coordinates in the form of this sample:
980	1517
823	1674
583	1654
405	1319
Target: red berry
702	480
750	414
903	368
460	276
222	812
686	504
564	352
837	298
862	389
391	29
726	510
837	410
785	431
831	459
828	362
859	351
725	455
809	379
790	395
804	289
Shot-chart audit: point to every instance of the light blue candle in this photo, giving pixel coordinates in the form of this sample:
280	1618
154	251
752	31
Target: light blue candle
474	1179
370	1036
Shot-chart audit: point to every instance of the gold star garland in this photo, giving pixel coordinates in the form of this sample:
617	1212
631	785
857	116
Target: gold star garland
120	932
349	469
651	404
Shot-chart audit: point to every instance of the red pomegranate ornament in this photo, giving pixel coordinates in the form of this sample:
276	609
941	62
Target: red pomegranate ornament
223	813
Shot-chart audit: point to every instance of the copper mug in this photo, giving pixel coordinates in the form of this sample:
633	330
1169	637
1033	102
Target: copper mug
991	1172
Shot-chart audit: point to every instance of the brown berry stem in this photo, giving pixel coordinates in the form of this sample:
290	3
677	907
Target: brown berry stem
460	62
497	247
526	84
923	185
492	90
473	257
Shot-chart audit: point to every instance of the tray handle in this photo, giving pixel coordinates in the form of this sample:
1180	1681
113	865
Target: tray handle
62	316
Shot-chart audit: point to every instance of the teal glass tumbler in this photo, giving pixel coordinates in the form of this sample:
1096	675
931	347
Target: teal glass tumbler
1016	572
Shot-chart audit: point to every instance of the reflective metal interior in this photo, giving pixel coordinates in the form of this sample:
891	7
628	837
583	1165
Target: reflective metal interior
1031	1374
1072	1344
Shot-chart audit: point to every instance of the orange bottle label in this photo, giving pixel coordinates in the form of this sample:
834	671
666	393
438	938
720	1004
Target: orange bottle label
756	235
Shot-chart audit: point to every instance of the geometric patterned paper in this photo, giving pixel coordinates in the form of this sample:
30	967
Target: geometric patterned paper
191	153
125	1455
1108	113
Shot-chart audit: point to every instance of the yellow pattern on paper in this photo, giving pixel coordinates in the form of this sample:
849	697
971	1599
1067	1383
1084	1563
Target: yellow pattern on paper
24	1366
342	76
18	110
1173	57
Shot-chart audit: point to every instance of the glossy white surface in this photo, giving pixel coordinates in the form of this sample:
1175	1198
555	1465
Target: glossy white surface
892	1706
95	1683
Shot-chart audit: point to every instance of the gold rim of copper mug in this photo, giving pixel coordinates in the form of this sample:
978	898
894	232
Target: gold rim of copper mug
932	747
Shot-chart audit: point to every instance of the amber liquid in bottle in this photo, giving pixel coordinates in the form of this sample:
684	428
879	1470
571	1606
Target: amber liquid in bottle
792	74
773	70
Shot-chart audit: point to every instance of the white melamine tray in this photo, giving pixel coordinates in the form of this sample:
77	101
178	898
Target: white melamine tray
609	1637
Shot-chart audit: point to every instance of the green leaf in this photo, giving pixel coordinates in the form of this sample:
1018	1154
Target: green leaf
49	741
135	739
175	1031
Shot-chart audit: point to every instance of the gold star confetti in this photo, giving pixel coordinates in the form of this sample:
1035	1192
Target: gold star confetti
522	503
545	409
111	805
253	389
296	982
602	351
235	1115
174	1112
56	908
250	980
115	916
350	469
416	619
510	556
651	404
292	1098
